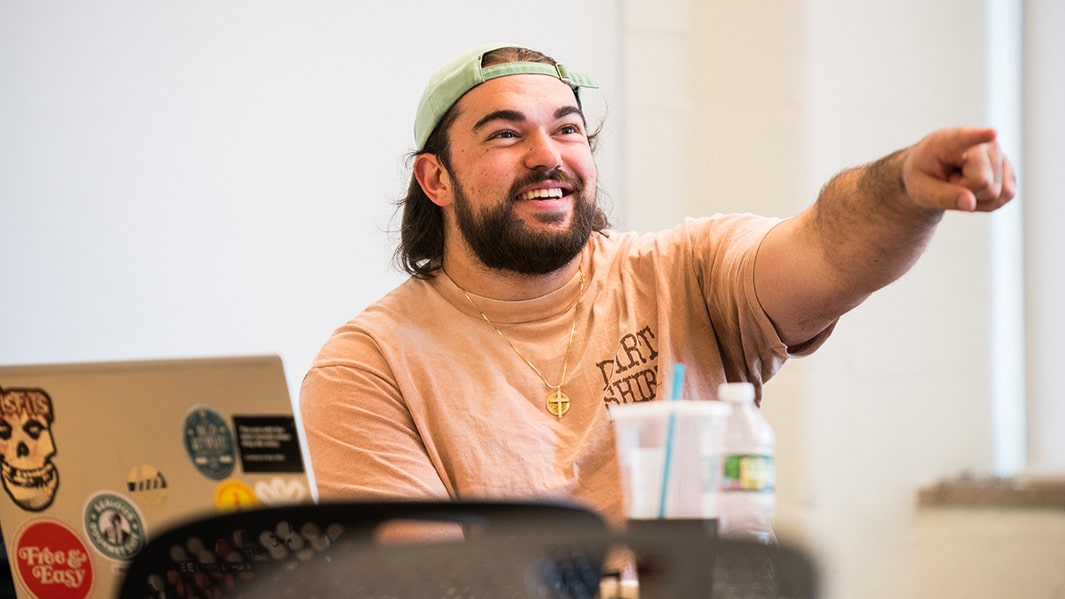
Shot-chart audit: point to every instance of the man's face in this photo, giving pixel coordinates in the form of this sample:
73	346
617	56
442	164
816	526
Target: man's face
523	177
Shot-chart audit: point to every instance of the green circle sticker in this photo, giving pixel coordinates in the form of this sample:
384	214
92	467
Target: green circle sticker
209	443
114	526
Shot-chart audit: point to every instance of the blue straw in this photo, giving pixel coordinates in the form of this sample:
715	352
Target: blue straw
678	381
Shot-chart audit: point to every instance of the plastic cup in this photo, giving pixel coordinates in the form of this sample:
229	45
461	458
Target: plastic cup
670	453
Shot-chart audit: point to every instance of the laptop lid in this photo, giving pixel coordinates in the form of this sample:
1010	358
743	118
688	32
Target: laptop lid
96	457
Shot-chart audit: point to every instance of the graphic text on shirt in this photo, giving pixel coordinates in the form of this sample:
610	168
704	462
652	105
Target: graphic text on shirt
632	374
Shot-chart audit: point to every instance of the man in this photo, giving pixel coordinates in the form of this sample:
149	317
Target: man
489	372
114	528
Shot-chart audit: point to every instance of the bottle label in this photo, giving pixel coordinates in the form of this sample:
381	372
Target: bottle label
746	472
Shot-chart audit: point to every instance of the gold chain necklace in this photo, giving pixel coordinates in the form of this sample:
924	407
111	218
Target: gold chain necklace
557	401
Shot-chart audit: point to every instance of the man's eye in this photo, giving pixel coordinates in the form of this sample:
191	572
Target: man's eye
570	129
504	135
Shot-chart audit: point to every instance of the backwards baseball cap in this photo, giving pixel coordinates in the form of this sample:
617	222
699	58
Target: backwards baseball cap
465	72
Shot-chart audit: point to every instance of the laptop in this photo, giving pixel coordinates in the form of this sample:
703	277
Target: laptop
97	457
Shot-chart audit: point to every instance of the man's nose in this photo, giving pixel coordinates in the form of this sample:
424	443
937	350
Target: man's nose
543	152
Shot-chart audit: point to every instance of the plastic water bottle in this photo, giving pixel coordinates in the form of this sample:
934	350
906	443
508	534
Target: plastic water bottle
747	501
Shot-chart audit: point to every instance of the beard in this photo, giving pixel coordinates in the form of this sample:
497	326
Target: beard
503	241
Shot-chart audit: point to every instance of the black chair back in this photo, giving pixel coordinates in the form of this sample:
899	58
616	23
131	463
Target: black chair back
495	549
487	549
678	558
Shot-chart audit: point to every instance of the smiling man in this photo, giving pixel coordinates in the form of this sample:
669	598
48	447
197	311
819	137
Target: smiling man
488	373
521	179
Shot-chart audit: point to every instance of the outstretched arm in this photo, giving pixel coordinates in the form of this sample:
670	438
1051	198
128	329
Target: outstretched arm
870	224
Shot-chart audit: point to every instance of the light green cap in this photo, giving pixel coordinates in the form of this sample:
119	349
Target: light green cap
464	72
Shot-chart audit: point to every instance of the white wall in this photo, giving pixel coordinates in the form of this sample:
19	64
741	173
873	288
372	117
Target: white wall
204	178
1044	243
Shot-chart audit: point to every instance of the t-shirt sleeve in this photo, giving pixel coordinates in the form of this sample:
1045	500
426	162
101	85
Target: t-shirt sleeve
797	350
725	249
361	438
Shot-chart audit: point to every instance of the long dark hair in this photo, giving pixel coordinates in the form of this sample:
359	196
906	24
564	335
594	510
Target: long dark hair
421	247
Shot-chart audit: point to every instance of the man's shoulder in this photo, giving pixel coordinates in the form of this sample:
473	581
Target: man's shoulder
406	300
386	323
716	227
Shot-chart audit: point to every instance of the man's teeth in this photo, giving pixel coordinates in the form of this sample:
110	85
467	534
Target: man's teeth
542	194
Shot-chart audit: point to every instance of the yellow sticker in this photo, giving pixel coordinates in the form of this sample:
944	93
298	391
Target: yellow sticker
233	496
147	485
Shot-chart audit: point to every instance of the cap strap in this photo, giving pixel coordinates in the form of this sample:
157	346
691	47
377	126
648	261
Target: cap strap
538	68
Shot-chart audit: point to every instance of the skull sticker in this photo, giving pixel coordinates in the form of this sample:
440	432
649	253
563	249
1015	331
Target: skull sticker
27	447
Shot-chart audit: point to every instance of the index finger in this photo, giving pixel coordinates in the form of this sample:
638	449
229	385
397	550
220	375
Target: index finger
956	142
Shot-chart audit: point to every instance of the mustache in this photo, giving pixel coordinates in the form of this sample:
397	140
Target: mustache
556	174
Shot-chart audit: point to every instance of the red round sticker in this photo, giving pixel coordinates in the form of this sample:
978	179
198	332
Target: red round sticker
51	561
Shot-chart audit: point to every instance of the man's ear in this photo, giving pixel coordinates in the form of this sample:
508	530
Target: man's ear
433	178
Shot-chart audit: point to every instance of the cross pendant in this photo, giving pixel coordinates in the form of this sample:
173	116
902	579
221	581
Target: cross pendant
558	403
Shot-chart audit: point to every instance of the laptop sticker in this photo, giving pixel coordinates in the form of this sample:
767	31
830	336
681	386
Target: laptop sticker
233	496
114	526
268	443
280	491
147	485
50	560
209	443
27	447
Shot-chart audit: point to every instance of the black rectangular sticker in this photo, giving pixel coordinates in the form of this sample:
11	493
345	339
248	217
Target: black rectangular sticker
268	443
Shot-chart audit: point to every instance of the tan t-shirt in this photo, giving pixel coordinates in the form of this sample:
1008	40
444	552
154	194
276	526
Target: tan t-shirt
418	397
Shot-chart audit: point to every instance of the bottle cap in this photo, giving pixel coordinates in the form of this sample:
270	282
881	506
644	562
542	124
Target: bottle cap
736	392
